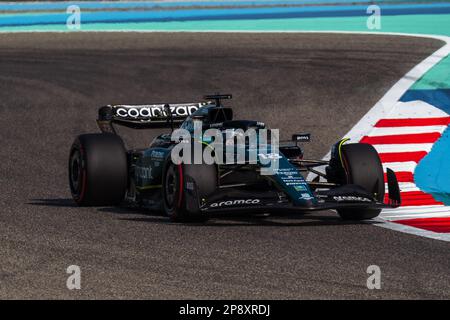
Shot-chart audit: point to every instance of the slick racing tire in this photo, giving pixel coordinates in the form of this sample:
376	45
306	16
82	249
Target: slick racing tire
98	172
174	189
363	167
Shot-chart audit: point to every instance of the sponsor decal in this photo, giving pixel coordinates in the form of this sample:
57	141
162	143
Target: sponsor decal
351	198
235	203
306	196
302	137
157	154
300	188
216	125
143	172
154	111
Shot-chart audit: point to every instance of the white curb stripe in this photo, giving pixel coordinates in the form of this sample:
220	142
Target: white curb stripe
411	230
413	110
387	131
408	166
418	212
407	186
408	147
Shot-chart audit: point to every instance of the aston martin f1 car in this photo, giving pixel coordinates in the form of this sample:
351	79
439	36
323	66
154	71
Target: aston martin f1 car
102	172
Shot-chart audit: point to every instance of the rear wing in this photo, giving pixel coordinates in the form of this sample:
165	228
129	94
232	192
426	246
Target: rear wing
144	116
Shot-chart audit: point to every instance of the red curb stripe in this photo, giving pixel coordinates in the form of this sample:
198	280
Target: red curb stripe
441	121
440	225
415	156
415	198
403	138
402	176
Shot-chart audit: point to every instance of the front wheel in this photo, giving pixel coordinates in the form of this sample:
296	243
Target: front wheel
363	167
173	189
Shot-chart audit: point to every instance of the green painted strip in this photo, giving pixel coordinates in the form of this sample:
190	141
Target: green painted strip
437	78
421	24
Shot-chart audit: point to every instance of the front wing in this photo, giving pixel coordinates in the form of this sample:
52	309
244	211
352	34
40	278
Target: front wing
238	200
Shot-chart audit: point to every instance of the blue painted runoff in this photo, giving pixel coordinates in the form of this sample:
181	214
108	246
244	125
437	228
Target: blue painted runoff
62	5
432	174
221	14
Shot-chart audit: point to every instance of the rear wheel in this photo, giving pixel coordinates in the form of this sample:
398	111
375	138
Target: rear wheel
98	170
363	167
173	186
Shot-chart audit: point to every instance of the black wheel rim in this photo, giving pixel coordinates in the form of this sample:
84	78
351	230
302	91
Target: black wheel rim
75	172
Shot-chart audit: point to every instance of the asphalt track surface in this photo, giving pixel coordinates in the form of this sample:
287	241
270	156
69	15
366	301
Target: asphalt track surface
50	88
